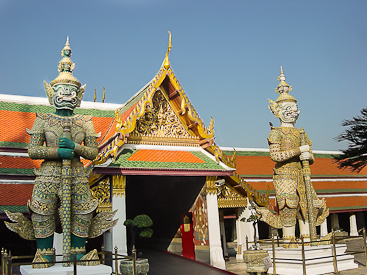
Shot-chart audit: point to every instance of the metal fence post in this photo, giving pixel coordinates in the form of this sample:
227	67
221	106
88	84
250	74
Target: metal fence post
5	262
74	263
303	256
273	247
10	263
116	262
102	254
365	248
334	255
2	261
134	261
278	239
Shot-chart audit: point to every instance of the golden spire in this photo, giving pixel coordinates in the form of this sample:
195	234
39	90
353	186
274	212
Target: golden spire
104	95
95	95
166	63
283	89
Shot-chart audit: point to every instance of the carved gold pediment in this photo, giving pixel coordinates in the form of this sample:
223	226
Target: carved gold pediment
228	198
159	122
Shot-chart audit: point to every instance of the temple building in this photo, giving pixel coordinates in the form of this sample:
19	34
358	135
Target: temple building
157	157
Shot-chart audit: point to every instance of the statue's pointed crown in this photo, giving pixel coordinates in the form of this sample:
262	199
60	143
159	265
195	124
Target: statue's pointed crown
65	68
283	89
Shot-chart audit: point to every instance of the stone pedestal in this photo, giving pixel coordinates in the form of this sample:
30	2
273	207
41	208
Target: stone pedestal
318	260
58	269
142	267
254	260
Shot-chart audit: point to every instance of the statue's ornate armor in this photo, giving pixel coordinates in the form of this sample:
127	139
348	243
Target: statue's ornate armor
48	128
284	143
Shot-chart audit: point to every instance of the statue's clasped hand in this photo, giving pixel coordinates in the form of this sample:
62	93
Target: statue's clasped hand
66	150
304	148
305	156
305	152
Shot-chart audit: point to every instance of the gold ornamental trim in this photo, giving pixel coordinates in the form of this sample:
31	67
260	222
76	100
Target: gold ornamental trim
252	194
230	161
101	192
232	203
119	185
229	198
147	140
211	188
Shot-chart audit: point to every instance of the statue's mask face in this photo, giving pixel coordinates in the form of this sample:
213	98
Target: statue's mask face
65	97
289	112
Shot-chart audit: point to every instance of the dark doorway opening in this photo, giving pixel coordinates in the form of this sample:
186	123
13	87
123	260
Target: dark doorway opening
163	199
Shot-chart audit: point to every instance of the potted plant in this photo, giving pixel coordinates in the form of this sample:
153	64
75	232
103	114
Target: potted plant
139	227
256	259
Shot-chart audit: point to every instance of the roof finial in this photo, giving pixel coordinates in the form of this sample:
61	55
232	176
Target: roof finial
166	63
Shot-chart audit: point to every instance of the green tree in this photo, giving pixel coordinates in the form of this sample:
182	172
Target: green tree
355	156
139	226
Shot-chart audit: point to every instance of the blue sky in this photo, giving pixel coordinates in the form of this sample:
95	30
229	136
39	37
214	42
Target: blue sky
226	55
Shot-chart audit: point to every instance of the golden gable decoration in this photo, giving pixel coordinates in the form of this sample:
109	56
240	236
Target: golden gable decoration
228	198
160	121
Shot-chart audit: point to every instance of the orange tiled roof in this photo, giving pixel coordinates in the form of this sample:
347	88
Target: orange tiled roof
165	156
13	126
15	194
263	165
338	203
323	186
15	118
19	162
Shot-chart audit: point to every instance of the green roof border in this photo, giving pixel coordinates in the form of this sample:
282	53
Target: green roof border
122	162
14	208
28	108
16	171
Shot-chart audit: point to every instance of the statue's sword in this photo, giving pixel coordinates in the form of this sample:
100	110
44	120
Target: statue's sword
66	200
307	178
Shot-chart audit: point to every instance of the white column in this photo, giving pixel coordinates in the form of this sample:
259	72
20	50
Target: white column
241	238
323	228
216	252
244	229
118	232
353	224
58	245
119	204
